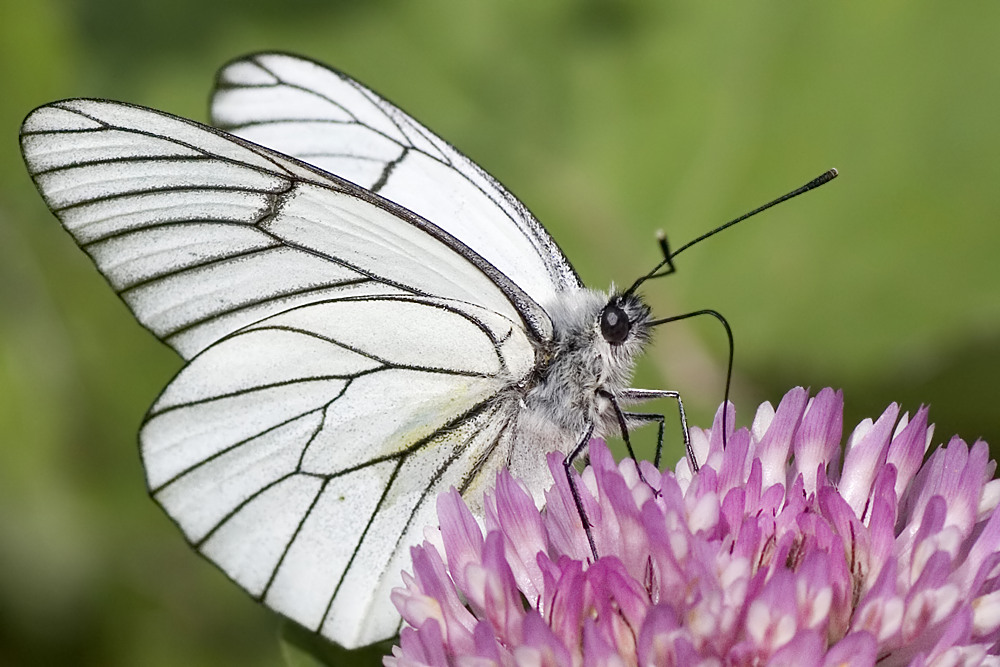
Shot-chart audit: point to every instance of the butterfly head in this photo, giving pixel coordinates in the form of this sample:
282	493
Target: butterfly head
597	339
598	336
624	323
624	320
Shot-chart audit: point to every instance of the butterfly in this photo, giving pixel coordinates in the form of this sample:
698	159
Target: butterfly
367	318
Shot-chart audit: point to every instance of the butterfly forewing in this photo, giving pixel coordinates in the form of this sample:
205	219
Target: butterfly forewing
299	235
328	119
348	359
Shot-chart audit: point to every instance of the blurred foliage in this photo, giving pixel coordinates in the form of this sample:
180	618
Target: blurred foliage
609	119
304	648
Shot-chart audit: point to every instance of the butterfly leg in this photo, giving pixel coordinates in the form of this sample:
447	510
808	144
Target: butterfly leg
577	500
729	335
648	417
622	424
622	418
641	395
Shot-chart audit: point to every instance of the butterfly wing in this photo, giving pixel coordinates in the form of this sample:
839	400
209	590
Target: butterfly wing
302	454
348	359
201	234
324	117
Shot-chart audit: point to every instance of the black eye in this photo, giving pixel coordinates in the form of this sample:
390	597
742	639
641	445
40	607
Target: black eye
614	324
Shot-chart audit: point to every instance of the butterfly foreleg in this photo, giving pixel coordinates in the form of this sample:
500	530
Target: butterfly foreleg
632	395
577	500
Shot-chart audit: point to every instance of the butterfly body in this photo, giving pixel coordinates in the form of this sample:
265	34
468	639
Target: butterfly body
567	397
367	319
584	367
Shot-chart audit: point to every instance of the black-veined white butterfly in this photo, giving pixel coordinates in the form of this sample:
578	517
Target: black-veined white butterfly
368	319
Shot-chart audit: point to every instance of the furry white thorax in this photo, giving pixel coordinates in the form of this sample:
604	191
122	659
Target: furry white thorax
564	398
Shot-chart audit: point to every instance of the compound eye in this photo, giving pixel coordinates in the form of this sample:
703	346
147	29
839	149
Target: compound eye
614	324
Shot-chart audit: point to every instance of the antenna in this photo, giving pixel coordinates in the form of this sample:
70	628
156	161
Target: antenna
666	267
668	257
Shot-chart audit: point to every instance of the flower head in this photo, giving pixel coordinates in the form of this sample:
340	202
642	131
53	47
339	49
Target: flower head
781	550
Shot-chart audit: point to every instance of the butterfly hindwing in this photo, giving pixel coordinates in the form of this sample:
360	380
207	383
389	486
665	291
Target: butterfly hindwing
302	455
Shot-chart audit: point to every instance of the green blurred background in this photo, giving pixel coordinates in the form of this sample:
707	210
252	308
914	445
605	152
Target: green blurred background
610	120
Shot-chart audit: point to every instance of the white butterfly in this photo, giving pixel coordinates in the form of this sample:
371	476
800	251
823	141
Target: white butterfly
368	319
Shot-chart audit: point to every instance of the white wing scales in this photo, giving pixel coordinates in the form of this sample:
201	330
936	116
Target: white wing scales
300	235
328	119
310	357
310	499
207	494
442	463
132	259
348	359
